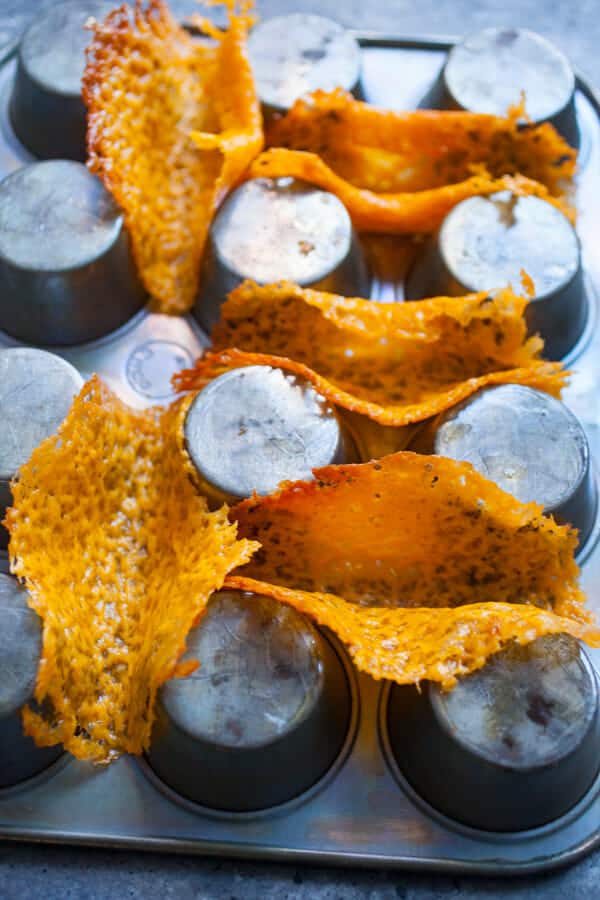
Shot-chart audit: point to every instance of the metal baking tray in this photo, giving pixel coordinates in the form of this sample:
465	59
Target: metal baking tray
362	812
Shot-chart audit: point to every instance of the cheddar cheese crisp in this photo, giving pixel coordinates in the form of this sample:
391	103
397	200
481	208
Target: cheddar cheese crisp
403	172
119	554
421	566
173	122
395	363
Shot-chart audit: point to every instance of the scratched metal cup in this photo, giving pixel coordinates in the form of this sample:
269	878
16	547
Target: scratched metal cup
279	229
264	716
36	391
254	427
47	112
485	243
66	274
527	442
20	648
296	54
514	746
489	71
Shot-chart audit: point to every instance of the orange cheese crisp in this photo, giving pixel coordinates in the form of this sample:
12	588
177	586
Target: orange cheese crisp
402	172
173	122
396	363
421	566
411	645
119	554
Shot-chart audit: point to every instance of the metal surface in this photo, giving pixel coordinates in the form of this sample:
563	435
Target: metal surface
279	230
296	54
252	428
66	274
137	360
487	242
13	154
20	648
530	444
46	109
490	71
512	747
265	716
363	812
36	391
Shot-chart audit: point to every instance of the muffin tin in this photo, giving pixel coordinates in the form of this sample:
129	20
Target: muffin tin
276	747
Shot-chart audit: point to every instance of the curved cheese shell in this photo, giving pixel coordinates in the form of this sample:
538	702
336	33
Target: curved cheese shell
173	122
396	363
419	564
402	172
119	554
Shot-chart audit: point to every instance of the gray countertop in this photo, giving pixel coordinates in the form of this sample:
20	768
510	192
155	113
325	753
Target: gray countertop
28	871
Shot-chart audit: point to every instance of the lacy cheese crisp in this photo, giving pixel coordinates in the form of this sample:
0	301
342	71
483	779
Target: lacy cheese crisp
119	554
173	122
402	172
421	566
396	363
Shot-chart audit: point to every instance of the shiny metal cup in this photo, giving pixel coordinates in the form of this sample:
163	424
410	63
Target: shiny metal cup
281	229
47	112
485	243
262	719
526	441
252	428
36	391
66	274
514	746
20	648
487	72
296	54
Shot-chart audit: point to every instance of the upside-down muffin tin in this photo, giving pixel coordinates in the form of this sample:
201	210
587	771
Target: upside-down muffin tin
276	747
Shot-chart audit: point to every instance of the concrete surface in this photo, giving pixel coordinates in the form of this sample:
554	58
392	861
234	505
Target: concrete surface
52	872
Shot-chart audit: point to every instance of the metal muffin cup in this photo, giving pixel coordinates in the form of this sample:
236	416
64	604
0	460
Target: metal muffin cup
488	71
513	747
296	54
263	718
485	243
66	273
281	229
5	502
47	112
252	428
526	441
36	391
20	648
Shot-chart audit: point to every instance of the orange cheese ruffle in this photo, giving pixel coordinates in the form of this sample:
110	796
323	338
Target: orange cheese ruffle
119	554
403	172
396	363
411	645
173	122
421	566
